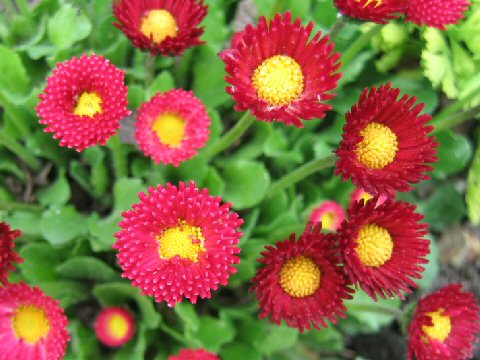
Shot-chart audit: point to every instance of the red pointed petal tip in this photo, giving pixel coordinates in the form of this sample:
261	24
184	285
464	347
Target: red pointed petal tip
115	326
436	13
7	255
463	328
323	304
395	274
196	127
416	150
52	345
190	354
188	14
378	11
171	278
316	60
106	99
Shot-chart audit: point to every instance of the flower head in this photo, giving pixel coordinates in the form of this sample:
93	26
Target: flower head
163	27
378	11
172	126
83	102
360	194
382	247
330	214
115	326
7	255
385	144
301	281
190	354
178	242
32	325
445	325
436	13
278	73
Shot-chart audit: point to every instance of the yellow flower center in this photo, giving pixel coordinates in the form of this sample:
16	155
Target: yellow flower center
182	240
327	220
377	2
300	277
278	80
378	147
118	326
88	104
30	323
366	197
441	326
159	24
170	129
375	245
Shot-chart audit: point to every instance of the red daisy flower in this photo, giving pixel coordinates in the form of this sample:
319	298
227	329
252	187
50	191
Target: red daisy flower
436	13
172	126
189	354
330	214
115	326
378	11
83	102
279	74
360	194
302	282
385	146
7	255
32	324
445	325
166	27
178	242
382	246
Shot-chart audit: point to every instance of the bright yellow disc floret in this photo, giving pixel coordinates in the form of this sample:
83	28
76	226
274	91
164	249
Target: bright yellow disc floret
182	240
117	326
278	80
89	104
159	24
30	323
300	277
378	147
170	129
375	245
441	326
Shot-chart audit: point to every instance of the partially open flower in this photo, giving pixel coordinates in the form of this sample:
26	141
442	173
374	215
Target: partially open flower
190	354
163	27
330	214
385	146
83	102
115	326
301	281
7	255
382	247
178	242
360	194
378	11
172	126
32	325
436	13
444	326
280	73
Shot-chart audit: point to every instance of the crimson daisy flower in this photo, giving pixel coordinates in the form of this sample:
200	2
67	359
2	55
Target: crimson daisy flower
83	102
330	214
385	144
436	13
178	242
172	126
445	325
360	194
278	73
378	11
302	282
32	325
115	326
7	255
189	354
165	27
382	246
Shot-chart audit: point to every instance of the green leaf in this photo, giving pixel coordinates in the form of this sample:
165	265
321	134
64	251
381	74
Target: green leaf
86	267
40	262
67	26
14	76
212	333
162	83
186	312
432	268
95	156
136	95
29	222
214	182
83	344
276	338
454	153
239	351
56	194
473	189
246	183
328	339
118	294
59	226
68	292
134	350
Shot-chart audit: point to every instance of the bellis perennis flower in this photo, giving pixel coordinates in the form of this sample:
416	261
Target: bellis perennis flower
7	255
436	13
378	11
330	214
115	326
190	354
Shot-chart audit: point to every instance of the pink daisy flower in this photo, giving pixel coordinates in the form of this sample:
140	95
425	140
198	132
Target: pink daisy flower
115	326
7	255
330	214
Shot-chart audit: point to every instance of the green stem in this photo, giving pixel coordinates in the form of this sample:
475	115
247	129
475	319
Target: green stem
358	45
301	173
150	69
447	122
457	105
12	111
19	150
118	156
337	27
19	206
173	333
376	308
231	136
